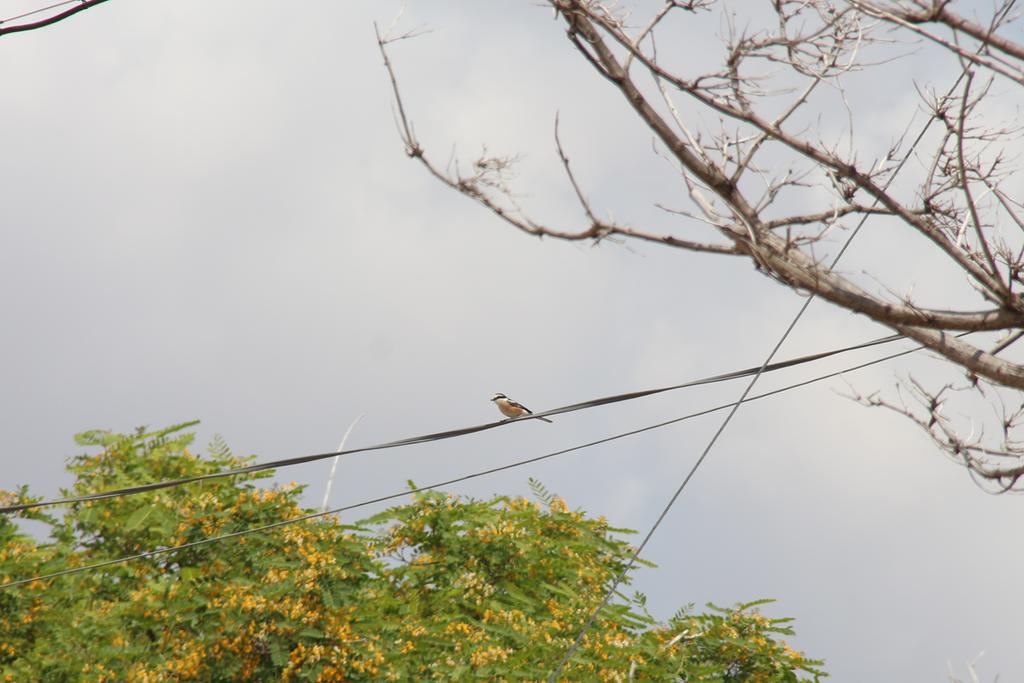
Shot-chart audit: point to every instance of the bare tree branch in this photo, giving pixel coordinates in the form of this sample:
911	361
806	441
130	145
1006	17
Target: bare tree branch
912	16
741	174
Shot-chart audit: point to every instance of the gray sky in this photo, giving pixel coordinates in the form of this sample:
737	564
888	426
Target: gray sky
208	214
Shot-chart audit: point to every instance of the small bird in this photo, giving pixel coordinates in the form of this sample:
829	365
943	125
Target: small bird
510	408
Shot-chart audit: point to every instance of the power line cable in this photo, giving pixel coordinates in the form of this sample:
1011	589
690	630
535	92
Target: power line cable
39	11
82	5
456	480
707	449
438	436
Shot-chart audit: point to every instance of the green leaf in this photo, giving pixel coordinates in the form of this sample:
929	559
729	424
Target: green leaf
328	597
138	517
279	654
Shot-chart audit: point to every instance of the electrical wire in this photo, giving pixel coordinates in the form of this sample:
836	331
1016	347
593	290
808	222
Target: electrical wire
39	11
82	5
456	480
438	436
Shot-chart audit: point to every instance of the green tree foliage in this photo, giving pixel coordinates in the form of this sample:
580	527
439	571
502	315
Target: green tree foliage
443	588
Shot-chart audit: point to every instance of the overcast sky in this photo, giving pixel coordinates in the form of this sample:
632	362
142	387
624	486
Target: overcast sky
207	213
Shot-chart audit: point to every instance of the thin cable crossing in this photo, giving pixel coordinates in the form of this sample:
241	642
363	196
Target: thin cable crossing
456	480
80	5
39	11
437	436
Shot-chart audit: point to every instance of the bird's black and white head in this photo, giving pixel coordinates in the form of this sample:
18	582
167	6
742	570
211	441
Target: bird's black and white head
498	396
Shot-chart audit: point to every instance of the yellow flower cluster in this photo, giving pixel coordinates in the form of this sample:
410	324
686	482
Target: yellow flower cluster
513	618
187	664
475	587
791	653
505	529
522	504
558	505
489	654
458	628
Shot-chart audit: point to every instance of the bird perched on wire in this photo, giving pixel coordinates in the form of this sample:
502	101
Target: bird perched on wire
510	408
